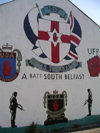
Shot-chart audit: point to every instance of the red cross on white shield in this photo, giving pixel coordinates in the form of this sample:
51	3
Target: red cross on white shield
54	39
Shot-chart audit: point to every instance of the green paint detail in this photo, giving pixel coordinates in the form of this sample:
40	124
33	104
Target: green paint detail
86	121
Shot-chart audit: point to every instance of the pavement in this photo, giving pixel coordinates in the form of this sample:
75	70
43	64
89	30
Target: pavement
96	130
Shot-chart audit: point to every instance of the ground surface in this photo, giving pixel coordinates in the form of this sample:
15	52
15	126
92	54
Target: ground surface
96	130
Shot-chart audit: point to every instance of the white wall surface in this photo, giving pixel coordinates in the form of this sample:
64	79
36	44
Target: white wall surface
31	91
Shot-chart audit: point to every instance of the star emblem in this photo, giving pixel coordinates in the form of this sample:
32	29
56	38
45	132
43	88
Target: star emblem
55	37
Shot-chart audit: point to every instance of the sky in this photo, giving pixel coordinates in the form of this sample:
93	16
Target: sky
90	7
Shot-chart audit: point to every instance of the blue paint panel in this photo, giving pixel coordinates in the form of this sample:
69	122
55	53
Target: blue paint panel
12	64
29	32
77	28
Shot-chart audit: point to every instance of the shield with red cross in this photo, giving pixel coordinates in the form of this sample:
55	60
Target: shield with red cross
54	39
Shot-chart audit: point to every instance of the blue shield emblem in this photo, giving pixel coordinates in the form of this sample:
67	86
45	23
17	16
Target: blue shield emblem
9	64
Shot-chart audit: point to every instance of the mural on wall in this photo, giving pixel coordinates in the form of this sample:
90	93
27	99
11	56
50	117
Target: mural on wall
94	66
53	40
55	104
10	62
13	108
59	52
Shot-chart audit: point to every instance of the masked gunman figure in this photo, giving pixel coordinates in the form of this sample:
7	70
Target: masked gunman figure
13	107
89	101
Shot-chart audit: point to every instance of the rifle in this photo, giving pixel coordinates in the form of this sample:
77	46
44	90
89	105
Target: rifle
20	107
85	102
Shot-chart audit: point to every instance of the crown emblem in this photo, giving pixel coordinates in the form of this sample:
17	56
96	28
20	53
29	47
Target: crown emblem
55	92
7	47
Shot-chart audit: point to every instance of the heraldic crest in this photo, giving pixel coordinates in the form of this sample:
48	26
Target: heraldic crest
10	62
55	35
55	104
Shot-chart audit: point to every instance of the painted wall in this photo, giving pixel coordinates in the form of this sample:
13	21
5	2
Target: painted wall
32	83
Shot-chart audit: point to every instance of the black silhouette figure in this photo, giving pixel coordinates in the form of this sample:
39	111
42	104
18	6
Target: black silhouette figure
89	101
13	107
